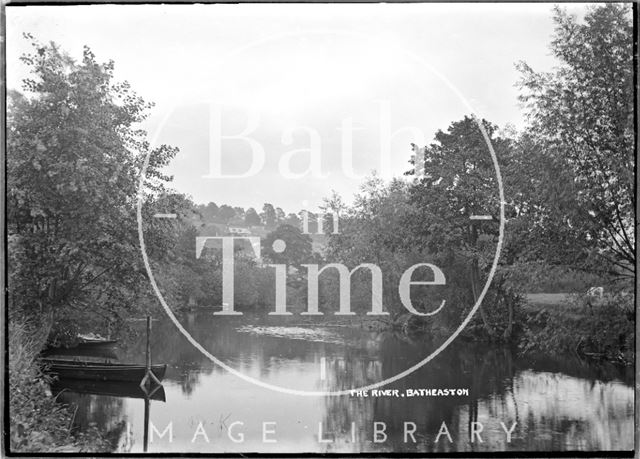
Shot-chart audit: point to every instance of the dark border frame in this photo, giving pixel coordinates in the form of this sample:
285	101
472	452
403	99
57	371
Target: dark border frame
4	316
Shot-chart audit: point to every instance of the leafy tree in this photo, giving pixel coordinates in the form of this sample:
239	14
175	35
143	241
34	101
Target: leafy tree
373	230
545	225
73	160
268	215
280	215
183	277
293	220
251	217
298	246
581	118
311	218
239	212
210	211
226	213
459	181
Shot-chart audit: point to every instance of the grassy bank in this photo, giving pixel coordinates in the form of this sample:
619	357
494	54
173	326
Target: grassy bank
38	423
579	325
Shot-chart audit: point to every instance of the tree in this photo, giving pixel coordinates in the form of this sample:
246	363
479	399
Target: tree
298	246
239	212
373	230
251	217
545	221
268	215
293	220
73	161
459	181
280	215
581	114
183	276
226	213
209	212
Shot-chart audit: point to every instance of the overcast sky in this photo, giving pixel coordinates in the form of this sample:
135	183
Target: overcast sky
308	83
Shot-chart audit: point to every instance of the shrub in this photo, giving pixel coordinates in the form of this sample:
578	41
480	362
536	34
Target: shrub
37	422
601	328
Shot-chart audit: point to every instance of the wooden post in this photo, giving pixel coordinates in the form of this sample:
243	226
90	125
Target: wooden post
148	344
149	377
145	438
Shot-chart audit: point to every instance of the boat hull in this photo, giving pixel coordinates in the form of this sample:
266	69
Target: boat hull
95	352
108	388
101	371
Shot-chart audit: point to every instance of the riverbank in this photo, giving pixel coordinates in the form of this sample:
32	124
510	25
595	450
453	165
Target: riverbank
197	390
567	329
595	328
38	422
568	324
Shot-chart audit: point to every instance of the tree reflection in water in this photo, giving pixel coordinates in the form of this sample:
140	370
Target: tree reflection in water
104	412
553	411
558	404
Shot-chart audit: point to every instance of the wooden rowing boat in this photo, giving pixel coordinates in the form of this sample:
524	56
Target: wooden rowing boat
108	388
99	371
86	352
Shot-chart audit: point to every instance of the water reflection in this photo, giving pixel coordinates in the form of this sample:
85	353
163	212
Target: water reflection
557	404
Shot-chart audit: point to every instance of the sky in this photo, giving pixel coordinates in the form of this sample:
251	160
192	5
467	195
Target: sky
284	103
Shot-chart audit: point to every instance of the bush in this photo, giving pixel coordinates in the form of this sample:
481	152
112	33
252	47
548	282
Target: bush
37	422
602	328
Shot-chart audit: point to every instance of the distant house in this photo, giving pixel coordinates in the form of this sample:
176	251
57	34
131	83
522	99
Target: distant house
236	222
239	230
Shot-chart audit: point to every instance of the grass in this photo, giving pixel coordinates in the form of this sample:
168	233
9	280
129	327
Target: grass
537	302
577	324
556	302
37	422
547	299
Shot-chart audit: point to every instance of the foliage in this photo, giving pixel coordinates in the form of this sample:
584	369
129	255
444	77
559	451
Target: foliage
581	121
251	217
37	422
184	278
293	220
226	213
73	160
459	181
209	211
371	231
298	246
587	326
541	277
268	215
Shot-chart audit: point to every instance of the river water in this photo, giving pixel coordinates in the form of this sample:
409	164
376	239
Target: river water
555	403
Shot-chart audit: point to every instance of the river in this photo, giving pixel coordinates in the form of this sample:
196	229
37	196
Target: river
556	403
